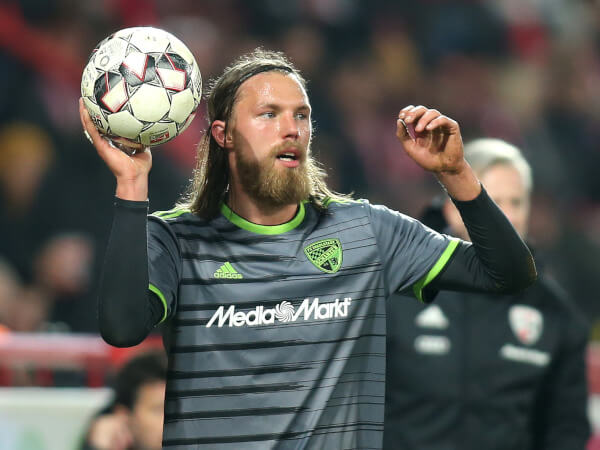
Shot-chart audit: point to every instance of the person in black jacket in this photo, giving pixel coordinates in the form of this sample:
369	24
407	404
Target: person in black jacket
485	371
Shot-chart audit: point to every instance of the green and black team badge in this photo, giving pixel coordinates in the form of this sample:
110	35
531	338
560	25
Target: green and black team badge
326	255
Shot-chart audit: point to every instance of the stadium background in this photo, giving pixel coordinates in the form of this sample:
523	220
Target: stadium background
527	71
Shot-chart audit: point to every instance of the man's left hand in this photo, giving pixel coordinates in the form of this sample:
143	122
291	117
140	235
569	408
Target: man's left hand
436	144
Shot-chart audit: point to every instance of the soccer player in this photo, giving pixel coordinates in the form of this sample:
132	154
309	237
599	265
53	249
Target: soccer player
482	371
273	287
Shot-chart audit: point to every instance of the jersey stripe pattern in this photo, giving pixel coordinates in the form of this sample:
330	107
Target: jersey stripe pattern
278	340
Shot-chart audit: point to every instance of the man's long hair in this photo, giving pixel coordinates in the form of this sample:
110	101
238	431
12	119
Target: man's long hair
210	182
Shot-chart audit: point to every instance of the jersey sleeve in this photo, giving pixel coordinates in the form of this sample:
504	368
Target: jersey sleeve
164	264
412	254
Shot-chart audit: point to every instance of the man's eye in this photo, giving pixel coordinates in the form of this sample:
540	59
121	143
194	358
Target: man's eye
268	114
302	116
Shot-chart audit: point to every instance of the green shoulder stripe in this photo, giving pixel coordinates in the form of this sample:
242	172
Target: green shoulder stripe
344	201
170	214
160	295
436	269
163	213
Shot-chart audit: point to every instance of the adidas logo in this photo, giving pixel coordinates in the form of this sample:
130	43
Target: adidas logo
227	271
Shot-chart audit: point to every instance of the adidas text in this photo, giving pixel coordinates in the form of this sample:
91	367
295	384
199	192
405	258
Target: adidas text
283	312
227	275
227	271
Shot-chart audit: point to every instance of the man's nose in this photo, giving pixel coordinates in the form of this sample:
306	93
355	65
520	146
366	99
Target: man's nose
289	126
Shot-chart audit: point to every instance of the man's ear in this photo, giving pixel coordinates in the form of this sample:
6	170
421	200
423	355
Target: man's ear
217	129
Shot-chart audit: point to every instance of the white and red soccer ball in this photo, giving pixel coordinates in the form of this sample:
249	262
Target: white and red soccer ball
142	84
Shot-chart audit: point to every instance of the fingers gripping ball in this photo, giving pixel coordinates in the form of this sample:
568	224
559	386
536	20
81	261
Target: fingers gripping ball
141	86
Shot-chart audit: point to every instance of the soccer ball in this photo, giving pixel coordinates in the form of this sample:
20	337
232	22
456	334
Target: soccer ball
141	84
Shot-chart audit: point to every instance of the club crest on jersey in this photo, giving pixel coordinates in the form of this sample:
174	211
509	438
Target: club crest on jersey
326	255
526	322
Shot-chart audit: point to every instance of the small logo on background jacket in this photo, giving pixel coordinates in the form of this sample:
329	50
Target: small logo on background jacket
326	255
432	317
526	322
227	271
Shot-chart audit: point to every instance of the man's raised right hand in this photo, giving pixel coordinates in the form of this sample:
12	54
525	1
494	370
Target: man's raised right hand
131	171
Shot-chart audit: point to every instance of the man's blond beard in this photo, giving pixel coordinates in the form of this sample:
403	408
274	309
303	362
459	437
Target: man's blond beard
271	185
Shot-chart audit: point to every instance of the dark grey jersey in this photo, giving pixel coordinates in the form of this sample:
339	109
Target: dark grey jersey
277	333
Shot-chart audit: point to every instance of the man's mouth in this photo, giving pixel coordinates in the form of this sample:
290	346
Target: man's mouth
290	157
287	156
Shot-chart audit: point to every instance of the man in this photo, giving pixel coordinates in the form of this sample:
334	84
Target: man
273	287
483	371
134	420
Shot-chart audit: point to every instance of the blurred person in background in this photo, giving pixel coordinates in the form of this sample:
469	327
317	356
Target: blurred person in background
30	311
483	371
26	155
134	419
63	264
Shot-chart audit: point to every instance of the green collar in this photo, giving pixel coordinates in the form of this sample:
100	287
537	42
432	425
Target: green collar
263	229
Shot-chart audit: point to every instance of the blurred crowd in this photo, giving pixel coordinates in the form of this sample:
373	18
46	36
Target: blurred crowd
522	70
